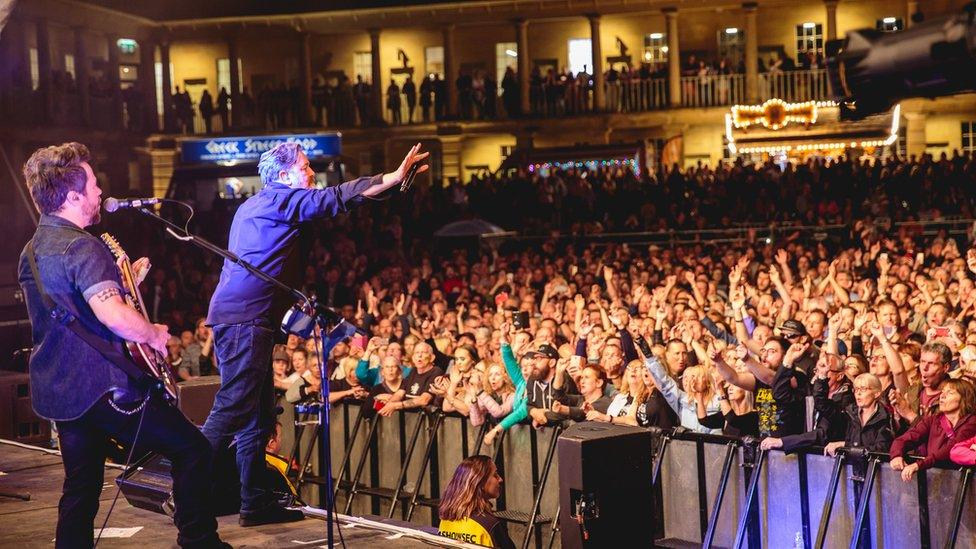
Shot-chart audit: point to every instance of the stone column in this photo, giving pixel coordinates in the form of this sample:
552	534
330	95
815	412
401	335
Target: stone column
305	65
377	79
44	69
451	71
524	72
674	57
752	53
831	6
599	94
147	81
236	109
914	133
82	76
169	118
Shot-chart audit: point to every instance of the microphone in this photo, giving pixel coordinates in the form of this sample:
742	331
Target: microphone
408	179
112	204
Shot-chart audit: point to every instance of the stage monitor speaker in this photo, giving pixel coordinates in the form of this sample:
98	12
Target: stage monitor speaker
197	397
147	484
605	493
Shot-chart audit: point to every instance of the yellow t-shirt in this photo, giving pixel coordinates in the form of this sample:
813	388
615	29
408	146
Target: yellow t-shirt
466	530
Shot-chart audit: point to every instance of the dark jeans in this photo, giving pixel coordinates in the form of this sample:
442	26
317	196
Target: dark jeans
165	430
244	406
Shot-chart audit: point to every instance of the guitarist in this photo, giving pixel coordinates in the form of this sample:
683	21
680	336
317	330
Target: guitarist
74	382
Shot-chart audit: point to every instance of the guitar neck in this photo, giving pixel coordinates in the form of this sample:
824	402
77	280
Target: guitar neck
129	279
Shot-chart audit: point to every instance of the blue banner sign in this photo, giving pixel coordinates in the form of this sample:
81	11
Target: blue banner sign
250	148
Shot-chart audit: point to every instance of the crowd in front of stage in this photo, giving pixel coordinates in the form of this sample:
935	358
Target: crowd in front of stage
863	339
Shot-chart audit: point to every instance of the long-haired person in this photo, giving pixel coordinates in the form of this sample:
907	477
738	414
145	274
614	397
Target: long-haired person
466	508
492	394
934	435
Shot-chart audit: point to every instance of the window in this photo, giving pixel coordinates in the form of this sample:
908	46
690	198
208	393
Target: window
362	65
223	74
434	60
731	45
809	37
580	55
69	64
35	70
655	47
506	55
890	24
969	136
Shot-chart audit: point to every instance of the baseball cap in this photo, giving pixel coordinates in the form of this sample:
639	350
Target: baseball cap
545	350
792	328
280	354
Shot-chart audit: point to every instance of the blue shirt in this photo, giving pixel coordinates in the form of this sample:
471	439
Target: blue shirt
264	233
67	374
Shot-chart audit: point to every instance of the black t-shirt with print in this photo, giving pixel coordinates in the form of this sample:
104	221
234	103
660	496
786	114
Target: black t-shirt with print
417	384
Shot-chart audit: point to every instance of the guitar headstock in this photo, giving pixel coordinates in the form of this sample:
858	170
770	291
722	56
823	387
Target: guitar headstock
114	246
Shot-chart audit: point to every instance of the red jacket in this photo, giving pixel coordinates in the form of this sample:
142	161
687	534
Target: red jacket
962	454
928	438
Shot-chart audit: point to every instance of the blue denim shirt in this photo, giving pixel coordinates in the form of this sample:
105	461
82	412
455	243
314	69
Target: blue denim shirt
67	375
264	233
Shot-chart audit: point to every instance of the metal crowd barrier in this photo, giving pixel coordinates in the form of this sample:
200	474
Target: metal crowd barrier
806	499
396	467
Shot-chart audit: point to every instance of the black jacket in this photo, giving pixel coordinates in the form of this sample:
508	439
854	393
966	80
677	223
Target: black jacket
875	436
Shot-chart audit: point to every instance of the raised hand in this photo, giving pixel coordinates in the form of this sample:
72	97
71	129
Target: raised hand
782	256
735	276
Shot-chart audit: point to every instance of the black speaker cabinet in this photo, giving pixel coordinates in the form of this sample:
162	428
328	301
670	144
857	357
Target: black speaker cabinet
197	397
605	493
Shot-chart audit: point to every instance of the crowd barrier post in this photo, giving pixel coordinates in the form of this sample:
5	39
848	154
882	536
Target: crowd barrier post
434	421
354	483
862	496
828	505
958	505
723	482
411	447
347	454
740	532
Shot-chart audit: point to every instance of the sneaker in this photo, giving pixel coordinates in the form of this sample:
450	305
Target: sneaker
272	514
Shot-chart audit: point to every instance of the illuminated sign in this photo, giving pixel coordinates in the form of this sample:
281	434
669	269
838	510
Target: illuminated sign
126	45
250	148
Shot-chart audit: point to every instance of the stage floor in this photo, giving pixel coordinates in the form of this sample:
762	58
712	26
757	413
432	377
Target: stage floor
26	524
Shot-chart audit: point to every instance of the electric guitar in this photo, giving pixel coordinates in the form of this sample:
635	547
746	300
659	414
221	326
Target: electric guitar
149	360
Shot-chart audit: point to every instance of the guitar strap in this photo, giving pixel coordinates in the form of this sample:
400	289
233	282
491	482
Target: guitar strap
96	342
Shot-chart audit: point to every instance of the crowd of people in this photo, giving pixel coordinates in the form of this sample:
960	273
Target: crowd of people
338	101
874	330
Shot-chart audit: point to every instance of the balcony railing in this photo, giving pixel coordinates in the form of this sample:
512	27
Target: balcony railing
795	86
637	95
713	90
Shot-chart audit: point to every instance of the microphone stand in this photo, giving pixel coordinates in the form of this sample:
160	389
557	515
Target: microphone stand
329	322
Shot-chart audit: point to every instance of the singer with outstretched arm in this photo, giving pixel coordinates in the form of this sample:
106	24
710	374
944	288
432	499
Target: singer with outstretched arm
244	317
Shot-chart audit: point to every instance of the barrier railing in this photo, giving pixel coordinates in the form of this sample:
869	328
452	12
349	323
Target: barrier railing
711	490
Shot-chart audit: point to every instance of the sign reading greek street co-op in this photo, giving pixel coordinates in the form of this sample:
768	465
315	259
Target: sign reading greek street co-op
250	148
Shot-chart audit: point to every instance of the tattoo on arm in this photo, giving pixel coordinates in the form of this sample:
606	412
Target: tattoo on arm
107	294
